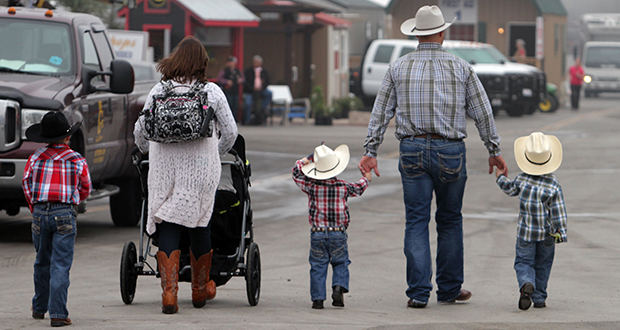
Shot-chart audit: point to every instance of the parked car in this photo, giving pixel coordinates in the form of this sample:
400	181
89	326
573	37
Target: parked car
601	64
516	88
63	61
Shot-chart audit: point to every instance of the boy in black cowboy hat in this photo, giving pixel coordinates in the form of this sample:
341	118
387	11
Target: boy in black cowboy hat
56	179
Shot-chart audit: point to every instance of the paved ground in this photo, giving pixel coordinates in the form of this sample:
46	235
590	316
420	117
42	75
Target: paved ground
584	286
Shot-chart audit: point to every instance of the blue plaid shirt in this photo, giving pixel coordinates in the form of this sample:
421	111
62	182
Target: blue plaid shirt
541	208
431	91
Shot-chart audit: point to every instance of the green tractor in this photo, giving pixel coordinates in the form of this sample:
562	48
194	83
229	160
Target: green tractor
550	103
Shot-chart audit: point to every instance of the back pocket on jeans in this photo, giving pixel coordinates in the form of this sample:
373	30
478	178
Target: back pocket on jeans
64	224
451	166
411	164
36	225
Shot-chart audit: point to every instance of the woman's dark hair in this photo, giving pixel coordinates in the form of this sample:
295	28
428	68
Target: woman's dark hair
188	62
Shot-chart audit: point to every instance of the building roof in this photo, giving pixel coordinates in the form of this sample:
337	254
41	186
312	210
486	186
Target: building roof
332	20
357	4
219	10
552	7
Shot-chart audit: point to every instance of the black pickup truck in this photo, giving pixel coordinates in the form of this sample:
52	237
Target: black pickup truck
63	61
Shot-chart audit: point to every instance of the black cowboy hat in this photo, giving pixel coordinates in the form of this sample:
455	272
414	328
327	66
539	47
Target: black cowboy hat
53	127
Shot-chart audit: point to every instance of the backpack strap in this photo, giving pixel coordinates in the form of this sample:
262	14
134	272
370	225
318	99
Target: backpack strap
167	86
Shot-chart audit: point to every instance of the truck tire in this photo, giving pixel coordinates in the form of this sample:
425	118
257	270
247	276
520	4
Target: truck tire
126	206
514	111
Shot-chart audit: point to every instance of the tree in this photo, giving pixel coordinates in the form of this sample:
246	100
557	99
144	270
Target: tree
102	9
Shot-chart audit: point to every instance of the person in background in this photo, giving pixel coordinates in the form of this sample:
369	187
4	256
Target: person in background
56	179
255	88
576	80
521	53
183	178
229	79
431	93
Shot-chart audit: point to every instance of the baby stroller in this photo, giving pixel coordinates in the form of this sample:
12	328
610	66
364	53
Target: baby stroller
231	232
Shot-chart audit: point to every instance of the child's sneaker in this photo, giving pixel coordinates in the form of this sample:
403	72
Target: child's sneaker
525	300
317	304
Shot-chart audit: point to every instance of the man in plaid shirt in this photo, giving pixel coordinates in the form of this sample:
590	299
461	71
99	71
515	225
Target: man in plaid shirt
431	92
56	179
329	218
542	214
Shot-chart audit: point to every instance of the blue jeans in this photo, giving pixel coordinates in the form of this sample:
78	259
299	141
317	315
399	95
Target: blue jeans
438	165
248	99
533	263
53	235
233	102
325	248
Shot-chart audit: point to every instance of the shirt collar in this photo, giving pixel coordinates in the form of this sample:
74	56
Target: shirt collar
430	45
58	145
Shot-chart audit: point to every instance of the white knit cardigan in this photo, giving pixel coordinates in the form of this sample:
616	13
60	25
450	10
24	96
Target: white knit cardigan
183	177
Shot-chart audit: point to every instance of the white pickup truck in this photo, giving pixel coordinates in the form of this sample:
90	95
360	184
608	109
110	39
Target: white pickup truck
516	88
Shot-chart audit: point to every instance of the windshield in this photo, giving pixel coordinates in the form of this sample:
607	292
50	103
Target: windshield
603	57
35	47
487	55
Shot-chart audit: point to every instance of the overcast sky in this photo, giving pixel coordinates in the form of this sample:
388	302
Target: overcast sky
381	2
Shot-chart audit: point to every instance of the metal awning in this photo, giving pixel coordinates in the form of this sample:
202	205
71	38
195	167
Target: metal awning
230	11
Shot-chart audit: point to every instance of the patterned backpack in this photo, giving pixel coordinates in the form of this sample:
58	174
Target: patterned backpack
178	117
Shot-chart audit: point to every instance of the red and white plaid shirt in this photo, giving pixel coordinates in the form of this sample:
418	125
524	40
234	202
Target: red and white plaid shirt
327	199
57	174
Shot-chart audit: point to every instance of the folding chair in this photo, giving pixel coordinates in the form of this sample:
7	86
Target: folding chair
283	103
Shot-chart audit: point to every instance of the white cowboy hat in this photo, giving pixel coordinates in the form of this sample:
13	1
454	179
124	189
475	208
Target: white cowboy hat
327	162
538	154
428	20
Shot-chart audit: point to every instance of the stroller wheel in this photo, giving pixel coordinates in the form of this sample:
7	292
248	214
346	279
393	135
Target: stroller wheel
129	274
252	274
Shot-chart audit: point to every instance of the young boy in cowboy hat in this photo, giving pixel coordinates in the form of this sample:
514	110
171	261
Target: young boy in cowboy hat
542	215
56	179
329	218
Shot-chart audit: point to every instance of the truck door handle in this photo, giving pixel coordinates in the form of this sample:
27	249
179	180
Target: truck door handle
369	70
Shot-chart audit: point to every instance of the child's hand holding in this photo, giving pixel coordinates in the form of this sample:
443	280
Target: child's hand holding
498	172
305	161
368	176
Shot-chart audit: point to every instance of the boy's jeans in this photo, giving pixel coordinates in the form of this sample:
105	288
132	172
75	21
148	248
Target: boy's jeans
53	234
325	248
533	263
426	166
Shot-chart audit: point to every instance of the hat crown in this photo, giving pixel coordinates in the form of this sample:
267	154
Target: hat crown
537	148
429	17
54	124
325	159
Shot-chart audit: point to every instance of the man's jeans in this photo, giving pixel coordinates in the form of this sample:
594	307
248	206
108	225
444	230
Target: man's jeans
248	98
53	235
533	263
325	248
428	165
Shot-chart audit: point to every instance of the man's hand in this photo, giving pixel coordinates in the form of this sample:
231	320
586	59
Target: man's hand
499	163
367	164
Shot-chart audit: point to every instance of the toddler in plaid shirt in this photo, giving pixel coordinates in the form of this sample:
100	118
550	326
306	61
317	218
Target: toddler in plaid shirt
329	218
542	214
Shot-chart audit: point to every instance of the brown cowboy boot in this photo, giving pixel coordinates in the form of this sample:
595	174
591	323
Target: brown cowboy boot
169	273
203	289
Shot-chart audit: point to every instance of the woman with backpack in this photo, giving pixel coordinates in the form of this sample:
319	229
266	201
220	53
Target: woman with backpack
183	176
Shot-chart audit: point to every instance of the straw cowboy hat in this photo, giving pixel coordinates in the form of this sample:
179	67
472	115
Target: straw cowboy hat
327	162
428	20
53	127
538	154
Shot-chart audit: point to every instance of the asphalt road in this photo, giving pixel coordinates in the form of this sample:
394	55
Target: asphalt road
584	288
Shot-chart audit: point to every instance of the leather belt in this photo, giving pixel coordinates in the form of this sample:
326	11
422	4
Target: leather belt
432	136
323	229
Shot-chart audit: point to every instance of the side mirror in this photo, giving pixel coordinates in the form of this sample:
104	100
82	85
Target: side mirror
121	78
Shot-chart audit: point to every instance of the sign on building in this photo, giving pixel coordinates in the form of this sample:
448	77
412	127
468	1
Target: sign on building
130	45
465	11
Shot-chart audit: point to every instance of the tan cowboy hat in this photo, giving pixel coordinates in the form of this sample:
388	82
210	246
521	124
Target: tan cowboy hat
538	154
327	162
428	20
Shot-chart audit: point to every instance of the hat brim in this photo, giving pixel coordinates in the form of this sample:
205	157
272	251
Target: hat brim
526	166
33	133
342	152
409	28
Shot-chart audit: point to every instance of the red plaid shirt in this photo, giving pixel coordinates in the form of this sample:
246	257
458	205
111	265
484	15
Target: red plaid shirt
327	199
56	174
